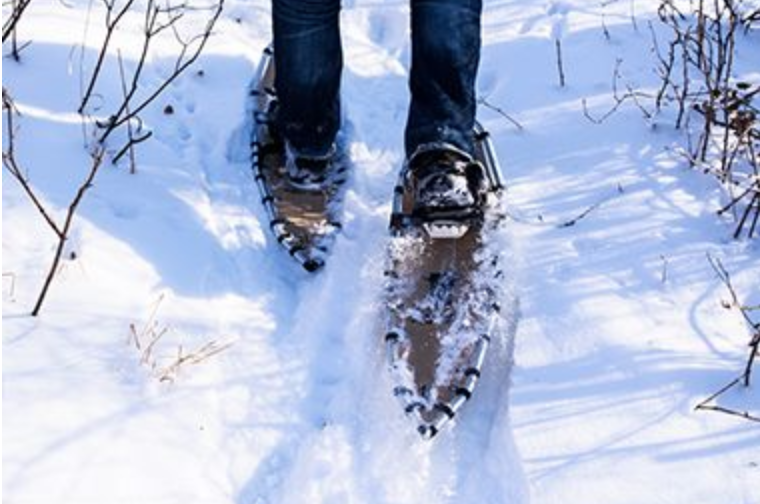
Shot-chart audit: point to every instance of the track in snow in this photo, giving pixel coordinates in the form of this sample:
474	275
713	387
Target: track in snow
350	442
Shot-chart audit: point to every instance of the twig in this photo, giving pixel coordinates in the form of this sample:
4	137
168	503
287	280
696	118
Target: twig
501	112
561	224
587	212
131	142
137	337
754	204
129	148
170	372
560	67
155	337
619	100
721	409
111	24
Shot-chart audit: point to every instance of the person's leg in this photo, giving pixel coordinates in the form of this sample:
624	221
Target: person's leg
308	64
445	57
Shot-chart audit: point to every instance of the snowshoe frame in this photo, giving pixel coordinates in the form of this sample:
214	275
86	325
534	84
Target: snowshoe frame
264	98
429	420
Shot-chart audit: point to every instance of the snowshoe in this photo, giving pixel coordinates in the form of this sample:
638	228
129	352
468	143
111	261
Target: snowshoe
442	285
304	220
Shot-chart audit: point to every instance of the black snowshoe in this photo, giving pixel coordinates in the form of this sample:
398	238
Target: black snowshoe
442	296
303	220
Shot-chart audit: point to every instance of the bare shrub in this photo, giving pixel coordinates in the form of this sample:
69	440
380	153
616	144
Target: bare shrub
697	69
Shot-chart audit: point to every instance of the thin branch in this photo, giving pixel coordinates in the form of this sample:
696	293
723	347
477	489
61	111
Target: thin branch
97	159
560	66
11	164
129	147
170	372
111	25
630	94
501	112
10	24
704	405
572	222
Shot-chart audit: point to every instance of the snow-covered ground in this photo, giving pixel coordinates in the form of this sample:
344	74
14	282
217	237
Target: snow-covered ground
621	327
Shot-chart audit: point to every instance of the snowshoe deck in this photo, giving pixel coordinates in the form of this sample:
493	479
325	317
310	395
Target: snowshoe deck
442	304
305	223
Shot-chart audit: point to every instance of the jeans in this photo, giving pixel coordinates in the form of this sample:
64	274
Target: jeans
309	61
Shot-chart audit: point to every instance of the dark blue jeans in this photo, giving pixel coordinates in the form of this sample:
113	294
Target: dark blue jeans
309	61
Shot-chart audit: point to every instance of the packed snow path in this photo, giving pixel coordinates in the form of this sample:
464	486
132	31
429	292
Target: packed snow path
620	330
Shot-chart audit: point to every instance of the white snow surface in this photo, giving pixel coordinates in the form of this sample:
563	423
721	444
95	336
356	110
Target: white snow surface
620	331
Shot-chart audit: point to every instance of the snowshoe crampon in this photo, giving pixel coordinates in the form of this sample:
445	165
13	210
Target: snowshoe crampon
305	223
442	284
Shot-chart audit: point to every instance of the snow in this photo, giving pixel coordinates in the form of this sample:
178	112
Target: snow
620	332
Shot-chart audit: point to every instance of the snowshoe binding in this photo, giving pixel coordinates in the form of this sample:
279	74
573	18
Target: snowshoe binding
448	190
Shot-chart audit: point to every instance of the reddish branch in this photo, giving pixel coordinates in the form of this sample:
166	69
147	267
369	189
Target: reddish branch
97	159
62	232
10	164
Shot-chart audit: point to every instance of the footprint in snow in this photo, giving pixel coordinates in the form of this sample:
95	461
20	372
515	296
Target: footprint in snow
179	110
